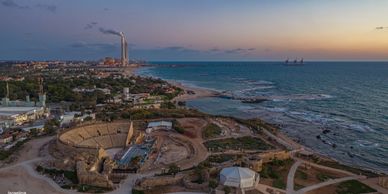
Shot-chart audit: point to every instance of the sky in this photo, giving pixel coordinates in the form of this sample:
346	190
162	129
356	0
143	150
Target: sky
195	30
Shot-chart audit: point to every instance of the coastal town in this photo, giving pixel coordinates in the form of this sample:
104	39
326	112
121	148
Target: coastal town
73	127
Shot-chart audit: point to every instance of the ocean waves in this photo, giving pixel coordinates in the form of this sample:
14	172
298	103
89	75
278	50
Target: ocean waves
340	103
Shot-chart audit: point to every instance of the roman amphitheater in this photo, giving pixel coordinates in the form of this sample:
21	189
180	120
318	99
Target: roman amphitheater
103	154
102	135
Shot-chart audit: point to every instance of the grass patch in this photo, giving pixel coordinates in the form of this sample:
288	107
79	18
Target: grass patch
272	169
337	165
279	183
269	172
298	187
178	128
91	189
246	143
140	114
220	158
353	187
6	154
301	175
71	175
323	177
211	130
135	191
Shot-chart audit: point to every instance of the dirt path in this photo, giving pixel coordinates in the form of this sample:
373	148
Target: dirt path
20	175
291	175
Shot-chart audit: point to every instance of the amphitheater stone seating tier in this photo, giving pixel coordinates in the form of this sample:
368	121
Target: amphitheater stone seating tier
119	139
84	133
105	135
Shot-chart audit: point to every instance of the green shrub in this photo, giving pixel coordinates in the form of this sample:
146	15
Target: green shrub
353	187
211	130
247	143
279	183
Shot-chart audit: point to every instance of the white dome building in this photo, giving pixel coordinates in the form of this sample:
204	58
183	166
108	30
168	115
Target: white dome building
238	177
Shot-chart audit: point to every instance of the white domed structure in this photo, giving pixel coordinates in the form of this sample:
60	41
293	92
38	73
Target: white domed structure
238	177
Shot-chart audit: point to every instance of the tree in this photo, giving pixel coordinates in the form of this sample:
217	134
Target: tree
227	189
173	169
34	132
213	183
51	125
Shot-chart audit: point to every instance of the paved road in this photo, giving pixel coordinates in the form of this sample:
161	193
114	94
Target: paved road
290	177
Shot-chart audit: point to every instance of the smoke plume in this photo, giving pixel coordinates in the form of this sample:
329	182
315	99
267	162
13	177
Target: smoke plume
109	31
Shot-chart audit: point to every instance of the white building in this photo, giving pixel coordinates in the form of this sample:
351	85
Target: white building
239	177
11	116
158	125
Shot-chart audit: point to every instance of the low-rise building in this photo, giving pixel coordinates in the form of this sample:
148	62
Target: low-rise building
6	138
15	116
158	125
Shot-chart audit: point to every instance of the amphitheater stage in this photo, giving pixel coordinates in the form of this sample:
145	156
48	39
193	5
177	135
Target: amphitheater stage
141	150
113	151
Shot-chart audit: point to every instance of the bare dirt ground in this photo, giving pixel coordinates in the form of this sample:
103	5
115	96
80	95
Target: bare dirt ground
173	151
20	174
18	179
231	128
34	149
196	151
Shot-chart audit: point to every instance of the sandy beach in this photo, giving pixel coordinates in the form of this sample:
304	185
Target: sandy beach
191	93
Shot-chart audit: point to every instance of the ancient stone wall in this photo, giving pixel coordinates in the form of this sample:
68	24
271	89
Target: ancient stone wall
130	134
92	177
383	182
270	156
160	181
187	182
255	164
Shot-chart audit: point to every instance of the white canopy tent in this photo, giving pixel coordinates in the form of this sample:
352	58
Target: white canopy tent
238	177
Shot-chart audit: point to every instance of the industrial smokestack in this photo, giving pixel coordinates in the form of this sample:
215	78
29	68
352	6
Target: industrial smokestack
124	50
124	44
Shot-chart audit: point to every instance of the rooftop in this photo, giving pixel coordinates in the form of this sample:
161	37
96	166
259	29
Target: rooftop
9	111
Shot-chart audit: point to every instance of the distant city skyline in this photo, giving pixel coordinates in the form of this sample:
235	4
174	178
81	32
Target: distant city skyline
196	30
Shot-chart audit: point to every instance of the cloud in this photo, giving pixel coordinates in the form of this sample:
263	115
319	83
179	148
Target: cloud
90	25
180	49
381	28
109	31
51	8
215	50
239	50
13	4
95	46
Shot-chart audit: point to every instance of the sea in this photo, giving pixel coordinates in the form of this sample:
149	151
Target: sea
337	109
